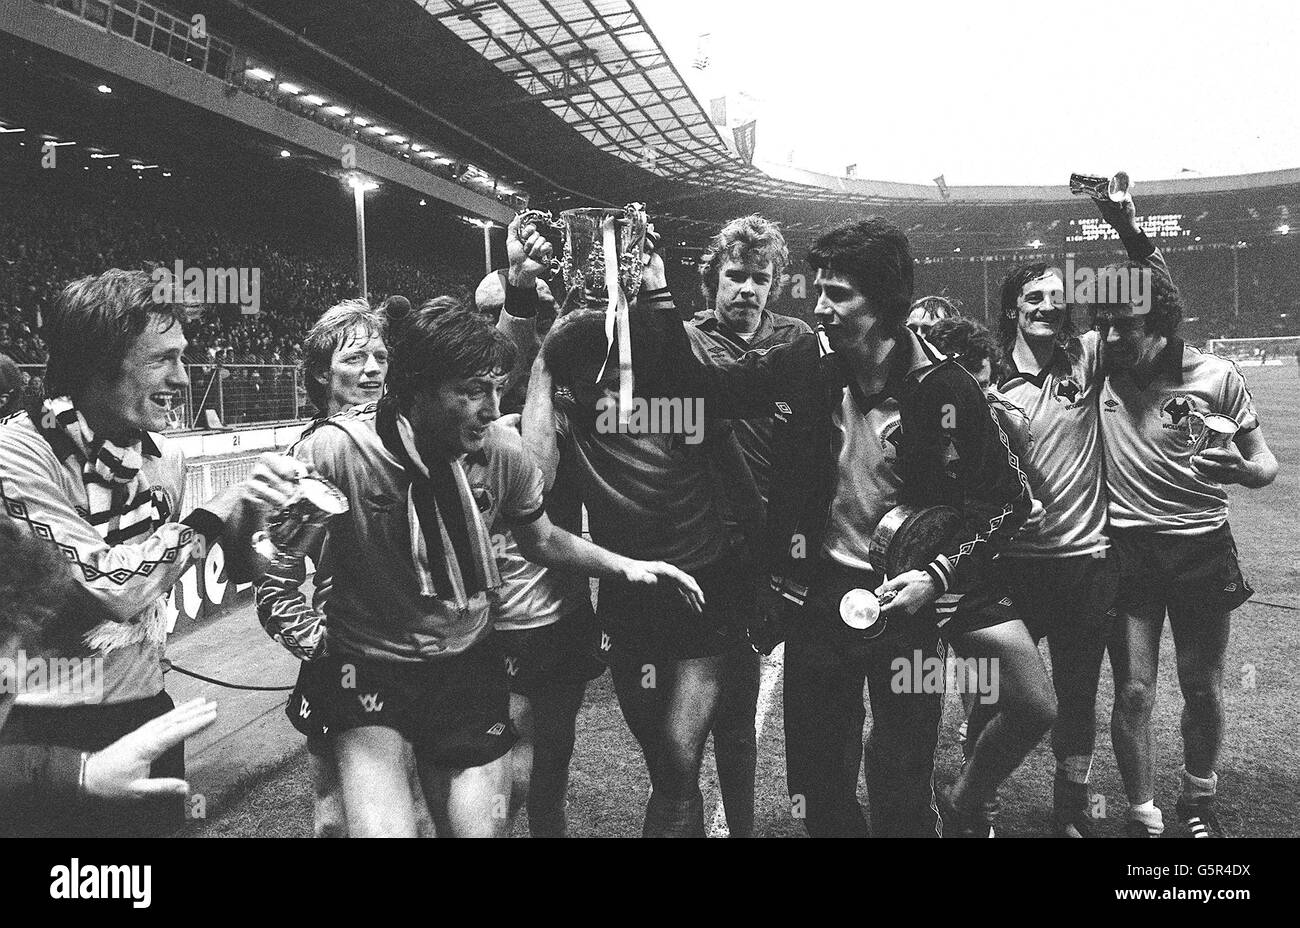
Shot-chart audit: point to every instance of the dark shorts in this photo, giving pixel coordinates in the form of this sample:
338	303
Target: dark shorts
454	711
567	652
655	622
92	728
1062	596
983	607
1192	573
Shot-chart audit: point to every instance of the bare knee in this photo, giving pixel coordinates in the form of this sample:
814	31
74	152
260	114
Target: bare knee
1134	699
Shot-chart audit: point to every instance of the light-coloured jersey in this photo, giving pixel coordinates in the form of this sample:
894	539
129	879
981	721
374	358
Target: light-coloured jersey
868	482
1065	463
124	579
375	606
1147	430
531	595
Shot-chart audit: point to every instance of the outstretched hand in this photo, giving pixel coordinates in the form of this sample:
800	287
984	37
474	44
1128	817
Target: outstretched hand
121	770
650	572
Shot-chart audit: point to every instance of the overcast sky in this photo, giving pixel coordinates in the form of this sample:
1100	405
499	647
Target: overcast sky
1001	91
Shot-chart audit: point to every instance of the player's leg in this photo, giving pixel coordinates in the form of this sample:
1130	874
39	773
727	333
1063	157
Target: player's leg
471	802
900	750
1134	659
735	741
824	714
694	687
641	700
1026	708
521	755
1069	601
555	713
376	791
329	819
1200	646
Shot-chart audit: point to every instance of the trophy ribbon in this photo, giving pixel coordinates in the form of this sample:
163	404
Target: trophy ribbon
616	322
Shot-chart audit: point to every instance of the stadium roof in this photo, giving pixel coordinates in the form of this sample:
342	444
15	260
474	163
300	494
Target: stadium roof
577	102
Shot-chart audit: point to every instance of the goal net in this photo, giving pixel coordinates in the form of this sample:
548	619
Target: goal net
1255	351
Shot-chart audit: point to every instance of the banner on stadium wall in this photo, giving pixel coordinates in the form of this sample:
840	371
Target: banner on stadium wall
745	138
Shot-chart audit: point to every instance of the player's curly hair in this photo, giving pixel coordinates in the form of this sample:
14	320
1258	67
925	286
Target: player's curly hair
35	590
968	342
748	238
940	307
1166	311
875	255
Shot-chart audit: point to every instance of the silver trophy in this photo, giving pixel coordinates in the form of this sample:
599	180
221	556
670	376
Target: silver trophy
300	524
584	260
1114	188
1217	431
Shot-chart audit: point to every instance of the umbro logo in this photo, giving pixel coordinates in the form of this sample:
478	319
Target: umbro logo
371	702
498	729
1111	404
1230	588
784	407
1005	601
512	666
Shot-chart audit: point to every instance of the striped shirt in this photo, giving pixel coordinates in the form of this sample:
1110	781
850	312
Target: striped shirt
127	581
1146	429
1065	462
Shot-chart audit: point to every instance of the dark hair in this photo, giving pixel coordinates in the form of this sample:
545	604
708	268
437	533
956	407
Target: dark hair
1166	311
1009	301
874	254
579	339
968	342
748	238
441	304
11	386
938	306
433	346
336	327
36	586
95	321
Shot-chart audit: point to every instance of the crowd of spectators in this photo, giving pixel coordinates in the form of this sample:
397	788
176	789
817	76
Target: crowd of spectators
46	241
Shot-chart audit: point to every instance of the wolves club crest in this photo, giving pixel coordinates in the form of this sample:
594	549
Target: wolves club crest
1177	409
1067	391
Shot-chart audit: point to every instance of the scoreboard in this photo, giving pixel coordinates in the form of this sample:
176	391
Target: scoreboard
1167	225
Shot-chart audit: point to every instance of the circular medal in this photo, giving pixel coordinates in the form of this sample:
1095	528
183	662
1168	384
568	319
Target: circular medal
859	609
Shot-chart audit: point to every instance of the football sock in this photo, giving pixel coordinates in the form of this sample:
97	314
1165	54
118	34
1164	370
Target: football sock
1199	787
